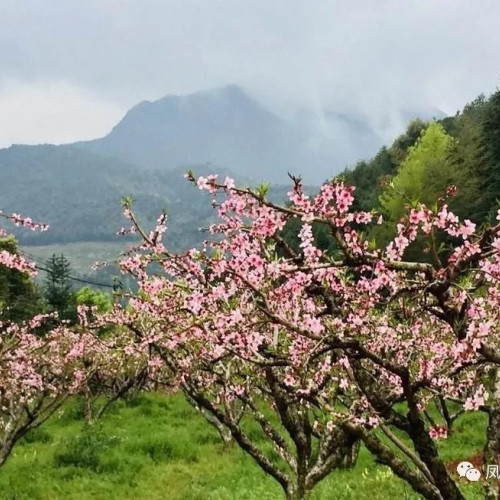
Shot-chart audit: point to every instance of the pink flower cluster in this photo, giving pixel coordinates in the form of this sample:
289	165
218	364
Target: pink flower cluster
15	261
221	315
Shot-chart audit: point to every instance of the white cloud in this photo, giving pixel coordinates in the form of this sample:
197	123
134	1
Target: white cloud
366	58
52	112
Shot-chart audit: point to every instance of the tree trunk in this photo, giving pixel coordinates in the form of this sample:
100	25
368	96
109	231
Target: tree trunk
224	432
492	446
352	455
6	450
297	492
87	411
427	452
412	475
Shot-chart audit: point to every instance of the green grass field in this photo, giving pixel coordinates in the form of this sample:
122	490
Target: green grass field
158	447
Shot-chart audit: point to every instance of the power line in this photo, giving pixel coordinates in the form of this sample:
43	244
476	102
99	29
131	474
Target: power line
73	278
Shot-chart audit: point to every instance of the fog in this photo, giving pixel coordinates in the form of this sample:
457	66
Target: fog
71	69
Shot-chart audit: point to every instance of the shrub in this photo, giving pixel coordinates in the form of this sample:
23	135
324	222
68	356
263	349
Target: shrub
85	450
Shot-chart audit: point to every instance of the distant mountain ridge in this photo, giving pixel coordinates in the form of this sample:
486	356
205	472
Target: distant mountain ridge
79	194
223	126
77	187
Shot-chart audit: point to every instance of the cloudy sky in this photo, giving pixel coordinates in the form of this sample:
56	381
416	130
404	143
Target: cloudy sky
70	69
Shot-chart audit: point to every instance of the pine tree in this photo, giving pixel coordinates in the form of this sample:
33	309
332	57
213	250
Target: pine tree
423	177
424	174
58	289
489	157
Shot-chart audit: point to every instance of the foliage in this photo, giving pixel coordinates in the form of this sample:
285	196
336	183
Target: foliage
489	156
368	176
86	296
470	164
423	176
20	298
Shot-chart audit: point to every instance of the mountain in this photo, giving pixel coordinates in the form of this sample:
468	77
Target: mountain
77	188
223	126
78	193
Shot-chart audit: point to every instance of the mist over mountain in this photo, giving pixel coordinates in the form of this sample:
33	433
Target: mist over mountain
223	126
76	188
226	127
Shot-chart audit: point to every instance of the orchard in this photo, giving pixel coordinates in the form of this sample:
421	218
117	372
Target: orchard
324	350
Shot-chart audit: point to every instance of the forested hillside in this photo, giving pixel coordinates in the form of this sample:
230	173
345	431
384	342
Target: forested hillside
462	150
79	194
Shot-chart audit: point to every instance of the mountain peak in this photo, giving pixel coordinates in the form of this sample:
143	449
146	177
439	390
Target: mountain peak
231	91
227	99
231	96
224	126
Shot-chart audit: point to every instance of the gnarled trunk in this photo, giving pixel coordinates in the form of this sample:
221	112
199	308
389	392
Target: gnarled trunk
352	455
428	453
297	492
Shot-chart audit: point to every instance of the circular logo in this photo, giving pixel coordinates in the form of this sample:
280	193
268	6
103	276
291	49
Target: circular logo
467	470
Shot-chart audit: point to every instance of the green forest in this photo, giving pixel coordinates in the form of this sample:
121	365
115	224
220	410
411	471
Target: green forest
461	150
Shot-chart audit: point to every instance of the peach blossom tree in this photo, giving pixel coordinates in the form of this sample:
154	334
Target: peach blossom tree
40	369
37	372
323	349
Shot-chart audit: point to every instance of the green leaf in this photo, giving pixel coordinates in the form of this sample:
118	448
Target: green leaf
263	189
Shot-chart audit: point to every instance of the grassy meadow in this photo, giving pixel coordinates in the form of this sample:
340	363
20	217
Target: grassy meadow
82	255
156	446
